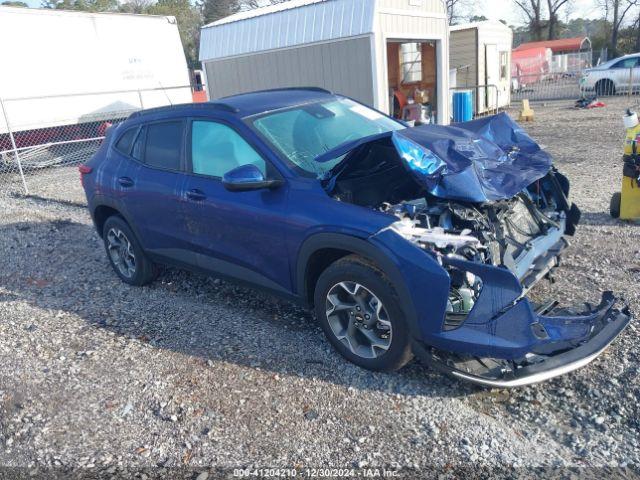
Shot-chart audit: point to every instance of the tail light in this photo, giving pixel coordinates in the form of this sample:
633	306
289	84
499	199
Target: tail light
84	170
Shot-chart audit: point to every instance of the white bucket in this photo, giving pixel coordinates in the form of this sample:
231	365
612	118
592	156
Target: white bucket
631	120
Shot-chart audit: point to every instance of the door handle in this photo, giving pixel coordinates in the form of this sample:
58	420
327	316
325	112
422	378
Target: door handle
196	195
125	182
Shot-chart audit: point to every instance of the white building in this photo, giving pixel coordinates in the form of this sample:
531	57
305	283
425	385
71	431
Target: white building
366	49
481	54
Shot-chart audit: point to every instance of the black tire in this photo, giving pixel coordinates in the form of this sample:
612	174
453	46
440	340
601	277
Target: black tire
605	87
358	270
614	206
144	271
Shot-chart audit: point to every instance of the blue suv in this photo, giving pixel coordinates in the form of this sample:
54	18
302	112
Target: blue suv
405	241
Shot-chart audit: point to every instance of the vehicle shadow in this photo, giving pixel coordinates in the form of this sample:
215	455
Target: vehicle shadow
61	266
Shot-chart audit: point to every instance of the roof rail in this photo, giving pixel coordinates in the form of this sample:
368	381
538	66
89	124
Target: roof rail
204	105
283	89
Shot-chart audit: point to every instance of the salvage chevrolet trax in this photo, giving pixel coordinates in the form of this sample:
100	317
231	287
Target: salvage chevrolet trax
405	241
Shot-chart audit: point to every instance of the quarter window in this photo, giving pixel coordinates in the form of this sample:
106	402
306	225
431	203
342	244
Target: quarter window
164	144
126	140
217	149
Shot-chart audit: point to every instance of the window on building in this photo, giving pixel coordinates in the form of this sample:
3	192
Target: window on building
411	62
504	65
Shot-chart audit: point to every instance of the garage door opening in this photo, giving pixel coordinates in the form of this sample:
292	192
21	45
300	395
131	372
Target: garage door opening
412	73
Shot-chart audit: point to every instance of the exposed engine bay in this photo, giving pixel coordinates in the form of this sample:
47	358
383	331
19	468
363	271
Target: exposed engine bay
486	203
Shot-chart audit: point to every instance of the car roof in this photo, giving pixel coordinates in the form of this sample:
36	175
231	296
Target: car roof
246	104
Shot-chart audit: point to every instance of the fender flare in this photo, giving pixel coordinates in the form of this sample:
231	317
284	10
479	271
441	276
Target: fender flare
103	201
365	249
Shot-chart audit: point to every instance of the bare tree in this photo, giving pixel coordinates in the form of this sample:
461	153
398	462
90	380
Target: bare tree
617	10
532	10
554	7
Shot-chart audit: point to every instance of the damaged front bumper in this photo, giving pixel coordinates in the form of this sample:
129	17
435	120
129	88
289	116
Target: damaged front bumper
504	341
604	324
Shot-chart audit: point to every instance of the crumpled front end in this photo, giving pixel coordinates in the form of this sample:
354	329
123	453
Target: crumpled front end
479	217
496	337
505	341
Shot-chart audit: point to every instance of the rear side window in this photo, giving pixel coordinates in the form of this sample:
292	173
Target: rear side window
126	141
163	145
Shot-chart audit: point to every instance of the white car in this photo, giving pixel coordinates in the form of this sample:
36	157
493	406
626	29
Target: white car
614	76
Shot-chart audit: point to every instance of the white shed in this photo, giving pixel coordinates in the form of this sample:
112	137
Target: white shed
481	54
379	52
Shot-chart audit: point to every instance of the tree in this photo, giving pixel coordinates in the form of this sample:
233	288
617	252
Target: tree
554	7
189	22
9	3
135	6
617	10
82	5
452	10
477	18
532	10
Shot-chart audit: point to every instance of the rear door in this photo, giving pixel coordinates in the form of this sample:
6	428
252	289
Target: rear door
153	186
240	234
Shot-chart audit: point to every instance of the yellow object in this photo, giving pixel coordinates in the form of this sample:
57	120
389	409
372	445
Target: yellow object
630	199
633	134
630	195
526	114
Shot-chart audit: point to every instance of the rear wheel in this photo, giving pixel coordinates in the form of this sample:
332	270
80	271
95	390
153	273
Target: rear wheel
614	206
360	314
125	254
605	87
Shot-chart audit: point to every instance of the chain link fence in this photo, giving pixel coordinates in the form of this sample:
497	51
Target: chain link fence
563	77
44	139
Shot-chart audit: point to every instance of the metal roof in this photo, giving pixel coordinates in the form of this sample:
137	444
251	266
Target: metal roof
286	24
561	45
484	23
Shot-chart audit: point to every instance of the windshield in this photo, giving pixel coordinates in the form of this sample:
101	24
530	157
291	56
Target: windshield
302	133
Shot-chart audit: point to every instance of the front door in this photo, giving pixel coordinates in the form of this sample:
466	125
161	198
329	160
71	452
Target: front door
239	234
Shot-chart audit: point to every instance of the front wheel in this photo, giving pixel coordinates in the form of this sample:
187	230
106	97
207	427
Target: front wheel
360	314
614	206
125	253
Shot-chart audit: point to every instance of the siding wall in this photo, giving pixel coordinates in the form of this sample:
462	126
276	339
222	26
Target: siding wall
468	47
463	50
342	66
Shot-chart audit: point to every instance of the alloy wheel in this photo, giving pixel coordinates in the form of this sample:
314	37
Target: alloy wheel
121	252
358	319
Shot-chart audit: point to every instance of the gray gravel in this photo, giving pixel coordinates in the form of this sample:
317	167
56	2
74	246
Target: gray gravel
201	374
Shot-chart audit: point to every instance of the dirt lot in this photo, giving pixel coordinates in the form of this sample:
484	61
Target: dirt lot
198	374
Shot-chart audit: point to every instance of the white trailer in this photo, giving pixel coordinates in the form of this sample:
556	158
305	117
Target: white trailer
64	68
481	54
377	51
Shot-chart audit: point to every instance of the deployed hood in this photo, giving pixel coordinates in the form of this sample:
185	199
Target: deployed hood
479	161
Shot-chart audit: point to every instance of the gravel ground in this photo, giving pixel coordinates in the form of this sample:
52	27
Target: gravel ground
192	374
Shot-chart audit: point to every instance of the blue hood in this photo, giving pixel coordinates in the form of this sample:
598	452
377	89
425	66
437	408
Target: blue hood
479	161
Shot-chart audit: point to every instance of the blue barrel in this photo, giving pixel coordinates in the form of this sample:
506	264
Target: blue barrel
462	106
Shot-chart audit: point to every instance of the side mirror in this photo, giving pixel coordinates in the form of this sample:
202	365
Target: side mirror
246	178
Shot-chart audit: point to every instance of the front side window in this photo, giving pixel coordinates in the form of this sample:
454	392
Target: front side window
304	132
163	145
217	149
